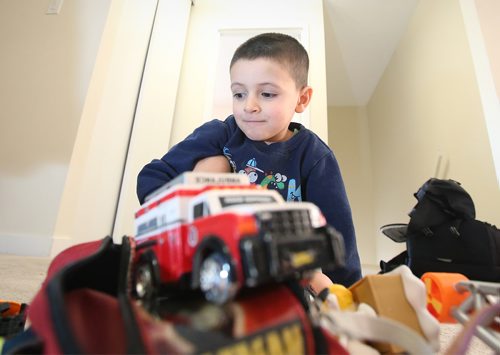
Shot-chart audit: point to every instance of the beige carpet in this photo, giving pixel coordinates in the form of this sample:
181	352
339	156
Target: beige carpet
22	276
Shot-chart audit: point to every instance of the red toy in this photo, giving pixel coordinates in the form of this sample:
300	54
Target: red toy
83	307
218	232
270	320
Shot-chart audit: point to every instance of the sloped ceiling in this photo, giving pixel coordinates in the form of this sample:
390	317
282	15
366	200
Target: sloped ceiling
361	36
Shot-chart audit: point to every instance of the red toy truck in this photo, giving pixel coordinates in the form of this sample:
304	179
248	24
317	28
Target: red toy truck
218	233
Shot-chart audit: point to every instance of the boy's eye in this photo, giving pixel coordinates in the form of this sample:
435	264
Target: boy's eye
238	95
268	95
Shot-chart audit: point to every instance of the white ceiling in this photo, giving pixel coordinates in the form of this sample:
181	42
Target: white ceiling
361	36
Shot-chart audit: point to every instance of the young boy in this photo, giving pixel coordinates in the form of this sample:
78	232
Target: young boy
269	84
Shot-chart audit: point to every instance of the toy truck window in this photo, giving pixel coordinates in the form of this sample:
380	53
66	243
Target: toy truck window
147	226
200	210
226	201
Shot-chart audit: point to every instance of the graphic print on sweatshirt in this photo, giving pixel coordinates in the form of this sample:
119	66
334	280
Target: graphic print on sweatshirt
286	186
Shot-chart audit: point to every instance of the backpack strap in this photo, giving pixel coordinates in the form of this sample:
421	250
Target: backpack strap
76	275
82	291
135	343
400	259
454	227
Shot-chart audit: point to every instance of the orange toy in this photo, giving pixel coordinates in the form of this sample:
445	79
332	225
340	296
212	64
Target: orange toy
12	317
442	295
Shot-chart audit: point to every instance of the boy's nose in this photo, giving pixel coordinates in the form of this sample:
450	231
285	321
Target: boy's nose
251	105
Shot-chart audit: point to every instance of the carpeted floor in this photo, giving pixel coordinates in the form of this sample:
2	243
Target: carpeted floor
22	276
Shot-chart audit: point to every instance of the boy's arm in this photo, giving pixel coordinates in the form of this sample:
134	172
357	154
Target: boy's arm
215	164
207	140
325	188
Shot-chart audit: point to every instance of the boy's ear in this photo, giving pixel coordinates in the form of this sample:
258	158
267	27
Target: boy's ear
304	99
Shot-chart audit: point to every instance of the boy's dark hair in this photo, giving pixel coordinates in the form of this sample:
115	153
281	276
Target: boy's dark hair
279	47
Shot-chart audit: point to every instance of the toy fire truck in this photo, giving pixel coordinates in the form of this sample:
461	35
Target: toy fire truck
219	233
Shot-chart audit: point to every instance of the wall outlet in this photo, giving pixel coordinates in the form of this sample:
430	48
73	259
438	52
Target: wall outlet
54	7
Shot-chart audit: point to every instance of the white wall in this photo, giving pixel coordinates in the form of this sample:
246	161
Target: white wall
349	140
482	23
428	105
46	63
90	197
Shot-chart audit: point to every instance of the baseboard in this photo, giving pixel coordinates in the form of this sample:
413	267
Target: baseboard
369	269
25	245
60	244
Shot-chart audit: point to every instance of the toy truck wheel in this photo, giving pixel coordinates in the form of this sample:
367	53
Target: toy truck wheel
217	278
145	284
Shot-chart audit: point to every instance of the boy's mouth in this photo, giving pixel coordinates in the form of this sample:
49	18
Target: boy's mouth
253	121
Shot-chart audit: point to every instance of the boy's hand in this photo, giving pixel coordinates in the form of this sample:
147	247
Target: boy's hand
215	164
319	282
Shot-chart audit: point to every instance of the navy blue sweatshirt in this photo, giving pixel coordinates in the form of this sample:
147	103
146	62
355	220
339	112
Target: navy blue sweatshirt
303	168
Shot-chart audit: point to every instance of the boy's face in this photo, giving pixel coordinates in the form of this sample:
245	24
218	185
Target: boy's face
265	99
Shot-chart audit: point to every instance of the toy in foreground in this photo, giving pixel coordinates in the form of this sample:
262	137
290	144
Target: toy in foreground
383	312
12	317
453	297
218	233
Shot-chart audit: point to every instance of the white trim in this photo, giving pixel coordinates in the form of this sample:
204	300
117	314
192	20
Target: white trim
156	106
489	99
26	245
60	243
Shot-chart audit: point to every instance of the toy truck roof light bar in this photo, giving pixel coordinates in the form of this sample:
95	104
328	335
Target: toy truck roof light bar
218	232
204	179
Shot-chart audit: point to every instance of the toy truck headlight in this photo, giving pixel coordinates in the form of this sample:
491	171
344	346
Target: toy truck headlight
317	218
247	226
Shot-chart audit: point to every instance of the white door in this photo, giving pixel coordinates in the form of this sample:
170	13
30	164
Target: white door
215	28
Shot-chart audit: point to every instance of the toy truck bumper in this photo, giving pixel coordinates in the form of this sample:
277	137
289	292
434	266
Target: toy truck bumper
277	257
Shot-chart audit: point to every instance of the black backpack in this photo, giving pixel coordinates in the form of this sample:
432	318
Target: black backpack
444	236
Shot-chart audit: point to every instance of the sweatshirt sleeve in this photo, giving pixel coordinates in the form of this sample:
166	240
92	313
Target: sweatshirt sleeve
325	188
207	140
